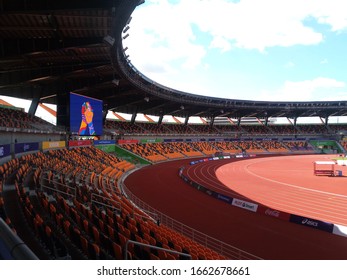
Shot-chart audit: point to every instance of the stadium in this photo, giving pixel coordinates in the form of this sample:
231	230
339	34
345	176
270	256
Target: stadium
236	186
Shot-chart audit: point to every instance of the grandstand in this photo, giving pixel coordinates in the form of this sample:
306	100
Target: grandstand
61	194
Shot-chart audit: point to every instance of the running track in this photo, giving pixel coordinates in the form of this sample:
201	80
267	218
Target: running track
161	187
282	183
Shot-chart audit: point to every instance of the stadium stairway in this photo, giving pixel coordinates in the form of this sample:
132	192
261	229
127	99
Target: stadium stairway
45	240
14	212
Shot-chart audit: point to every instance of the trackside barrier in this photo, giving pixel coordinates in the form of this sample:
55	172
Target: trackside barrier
244	204
308	222
340	230
264	210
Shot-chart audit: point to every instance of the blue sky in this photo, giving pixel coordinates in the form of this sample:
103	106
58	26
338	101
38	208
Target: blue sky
277	50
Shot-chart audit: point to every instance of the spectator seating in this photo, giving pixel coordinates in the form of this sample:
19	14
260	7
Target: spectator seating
145	150
283	129
273	146
156	152
18	119
227	147
255	129
187	149
71	201
250	147
298	146
312	129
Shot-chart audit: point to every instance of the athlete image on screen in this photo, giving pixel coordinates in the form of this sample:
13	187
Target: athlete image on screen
87	127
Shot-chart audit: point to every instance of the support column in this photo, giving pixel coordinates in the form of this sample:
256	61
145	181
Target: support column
33	106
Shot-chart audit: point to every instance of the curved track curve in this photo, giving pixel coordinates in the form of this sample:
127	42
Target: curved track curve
161	187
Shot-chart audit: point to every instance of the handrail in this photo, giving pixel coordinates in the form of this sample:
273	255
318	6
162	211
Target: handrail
152	247
202	238
106	205
16	247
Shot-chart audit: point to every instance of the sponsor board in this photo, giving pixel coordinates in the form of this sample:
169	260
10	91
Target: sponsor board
273	213
52	145
128	141
5	150
171	140
181	171
312	223
245	205
26	147
78	143
209	192
104	142
224	198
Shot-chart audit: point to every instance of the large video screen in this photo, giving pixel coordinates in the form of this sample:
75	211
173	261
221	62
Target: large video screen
85	115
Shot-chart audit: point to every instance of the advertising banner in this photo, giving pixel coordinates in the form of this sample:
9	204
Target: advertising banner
46	145
224	198
173	140
26	147
273	213
79	143
195	140
128	141
104	142
312	223
5	150
245	205
157	140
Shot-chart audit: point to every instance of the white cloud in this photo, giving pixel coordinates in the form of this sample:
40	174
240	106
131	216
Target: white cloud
250	24
320	88
221	43
160	35
332	12
254	24
163	43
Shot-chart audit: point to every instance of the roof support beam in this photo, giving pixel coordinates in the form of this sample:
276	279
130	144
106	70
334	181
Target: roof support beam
33	106
160	119
133	117
212	121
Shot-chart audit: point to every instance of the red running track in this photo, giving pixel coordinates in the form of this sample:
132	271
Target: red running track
283	183
161	187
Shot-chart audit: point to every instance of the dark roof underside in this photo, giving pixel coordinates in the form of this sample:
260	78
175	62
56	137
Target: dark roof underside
48	48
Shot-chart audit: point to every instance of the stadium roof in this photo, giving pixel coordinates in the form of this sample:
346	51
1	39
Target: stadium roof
49	48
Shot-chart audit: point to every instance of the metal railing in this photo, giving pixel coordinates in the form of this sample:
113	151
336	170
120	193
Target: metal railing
152	247
16	248
208	241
